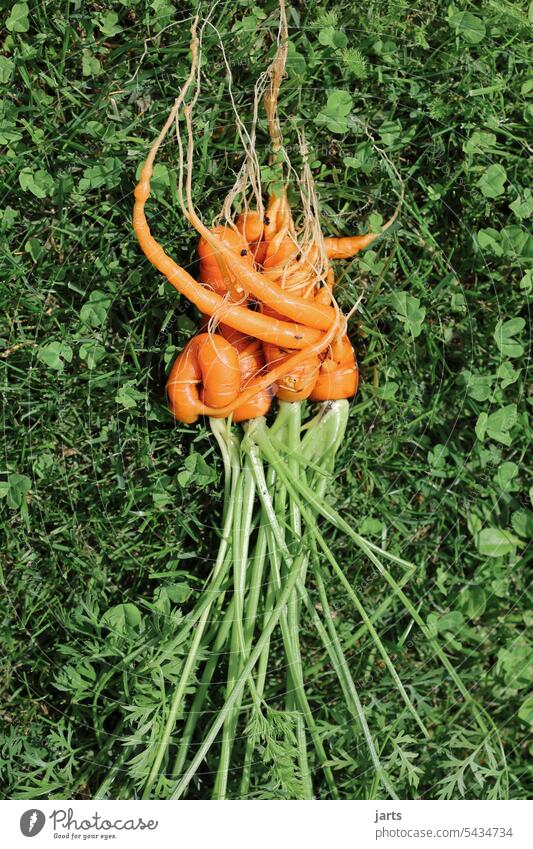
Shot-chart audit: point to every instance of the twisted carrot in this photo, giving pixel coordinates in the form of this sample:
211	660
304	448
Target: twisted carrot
253	282
212	261
347	246
287	334
337	378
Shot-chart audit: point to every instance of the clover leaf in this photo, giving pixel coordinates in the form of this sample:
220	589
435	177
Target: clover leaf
409	312
503	336
492	181
335	114
55	355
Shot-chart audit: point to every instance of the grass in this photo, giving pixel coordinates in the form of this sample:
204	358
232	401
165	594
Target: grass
110	509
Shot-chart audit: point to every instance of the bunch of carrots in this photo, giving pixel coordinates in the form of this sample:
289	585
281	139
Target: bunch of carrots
251	357
271	334
279	330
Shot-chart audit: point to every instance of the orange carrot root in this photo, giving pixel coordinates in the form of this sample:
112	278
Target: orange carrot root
271	324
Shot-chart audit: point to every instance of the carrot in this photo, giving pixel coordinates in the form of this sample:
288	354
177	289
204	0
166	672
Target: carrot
269	293
288	334
280	251
187	371
339	376
324	295
257	405
271	218
298	384
259	251
299	272
212	262
252	363
250	225
207	373
348	246
239	340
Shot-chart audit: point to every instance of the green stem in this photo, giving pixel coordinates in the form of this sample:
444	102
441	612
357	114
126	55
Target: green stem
201	693
243	514
311	524
251	612
307	782
235	694
334	649
277	544
337	521
232	458
176	704
380	610
108	781
432	640
323	442
293	448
